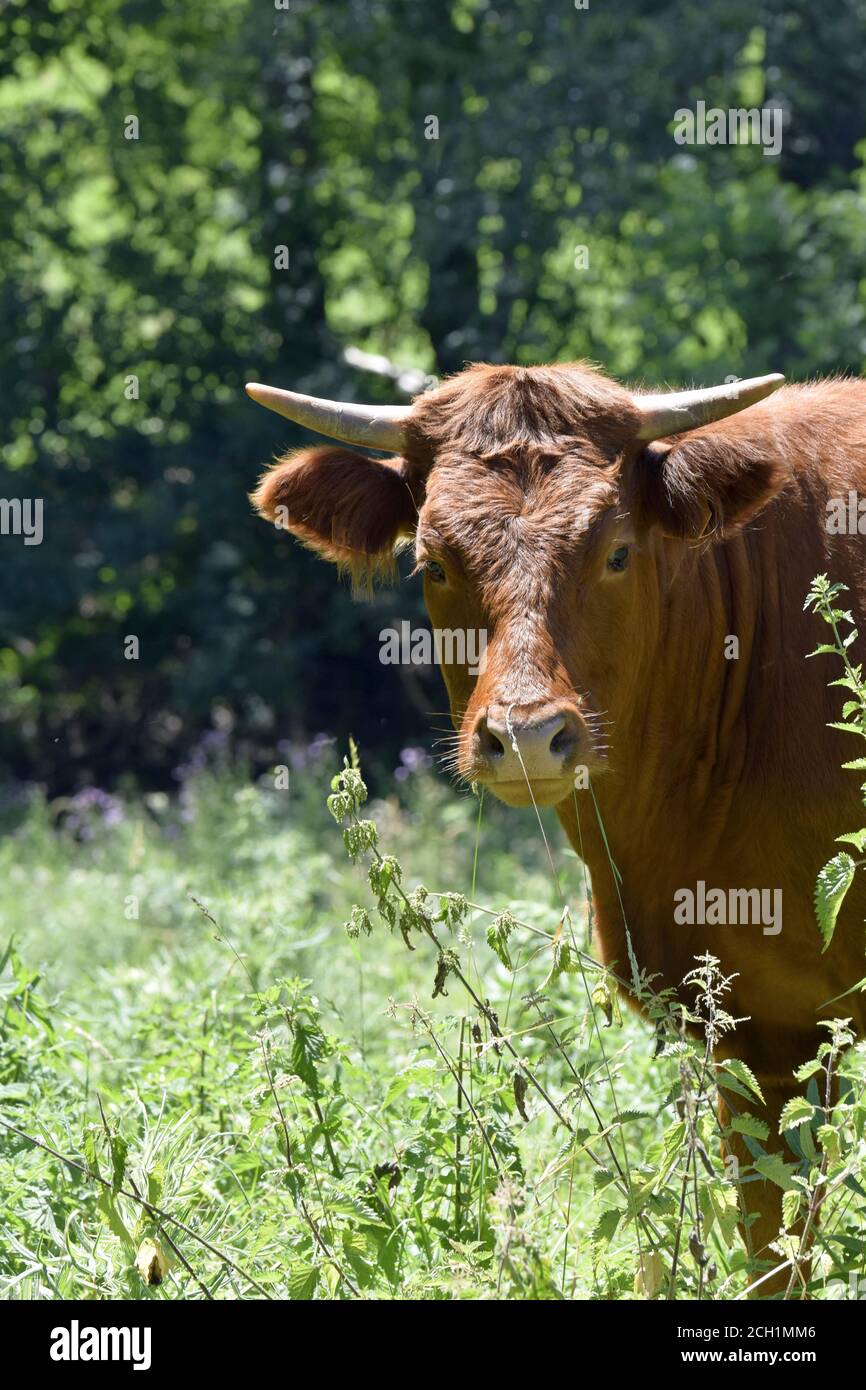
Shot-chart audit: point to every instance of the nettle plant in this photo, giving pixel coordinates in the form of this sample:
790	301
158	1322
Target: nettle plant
837	875
834	1111
667	1204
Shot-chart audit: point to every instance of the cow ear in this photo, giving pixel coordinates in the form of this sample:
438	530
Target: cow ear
704	484
351	509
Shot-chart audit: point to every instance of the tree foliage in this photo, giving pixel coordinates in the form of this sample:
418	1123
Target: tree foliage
307	127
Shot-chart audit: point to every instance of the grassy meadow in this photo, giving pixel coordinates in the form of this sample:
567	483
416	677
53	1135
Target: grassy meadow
233	1096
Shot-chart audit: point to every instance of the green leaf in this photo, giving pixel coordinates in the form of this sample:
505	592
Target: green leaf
563	962
807	1069
154	1185
720	1207
744	1075
751	1125
344	1204
119	1150
774	1167
833	883
605	1227
114	1220
308	1046
797	1111
497	937
633	1112
302	1282
357	1250
791	1203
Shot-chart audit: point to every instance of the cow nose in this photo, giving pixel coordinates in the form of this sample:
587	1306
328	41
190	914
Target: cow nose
544	751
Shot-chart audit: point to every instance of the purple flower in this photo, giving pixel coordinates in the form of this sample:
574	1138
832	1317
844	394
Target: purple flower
93	809
204	754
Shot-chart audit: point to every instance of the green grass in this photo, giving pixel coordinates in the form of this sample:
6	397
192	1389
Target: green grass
184	1016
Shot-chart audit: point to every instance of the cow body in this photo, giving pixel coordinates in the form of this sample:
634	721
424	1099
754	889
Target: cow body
609	575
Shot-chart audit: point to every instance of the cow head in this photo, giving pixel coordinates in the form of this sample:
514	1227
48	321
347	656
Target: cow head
549	508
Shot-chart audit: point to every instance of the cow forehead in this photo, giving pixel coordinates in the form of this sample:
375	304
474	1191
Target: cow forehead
474	499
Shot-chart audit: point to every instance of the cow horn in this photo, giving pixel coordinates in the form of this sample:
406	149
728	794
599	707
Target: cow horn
376	426
676	411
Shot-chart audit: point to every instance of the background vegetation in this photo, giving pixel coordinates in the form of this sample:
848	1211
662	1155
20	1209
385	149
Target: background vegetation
305	127
228	1079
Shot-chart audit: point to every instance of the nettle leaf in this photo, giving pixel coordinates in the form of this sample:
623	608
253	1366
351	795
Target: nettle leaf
605	1227
308	1046
358	923
829	1139
154	1184
453	907
119	1150
807	1069
347	1204
673	1139
90	1149
601	1177
751	1125
382	873
744	1074
563	962
797	1111
302	1282
833	883
107	1209
358	1253
605	998
633	1112
720	1208
791	1203
857	838
774	1167
497	937
359	837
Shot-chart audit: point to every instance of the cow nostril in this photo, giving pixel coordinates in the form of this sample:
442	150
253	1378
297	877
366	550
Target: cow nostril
488	744
564	741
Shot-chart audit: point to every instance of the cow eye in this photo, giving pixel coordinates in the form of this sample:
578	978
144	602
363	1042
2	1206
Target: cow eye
618	559
435	571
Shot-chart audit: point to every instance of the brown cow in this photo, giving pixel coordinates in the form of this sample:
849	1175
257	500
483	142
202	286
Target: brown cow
611	545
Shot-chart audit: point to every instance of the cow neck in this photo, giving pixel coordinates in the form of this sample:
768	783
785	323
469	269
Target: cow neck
683	751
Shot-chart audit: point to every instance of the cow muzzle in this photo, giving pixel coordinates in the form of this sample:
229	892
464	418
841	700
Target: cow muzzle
527	754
